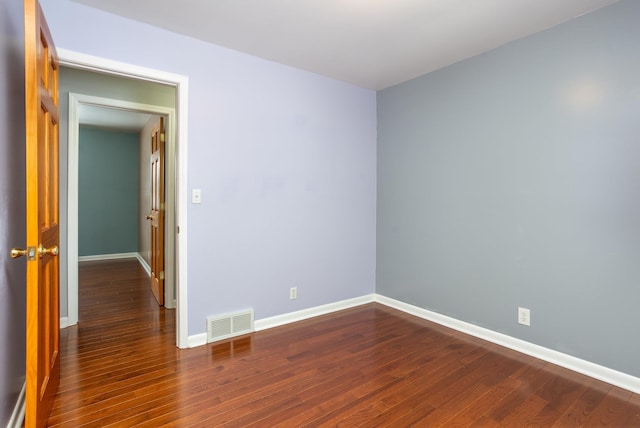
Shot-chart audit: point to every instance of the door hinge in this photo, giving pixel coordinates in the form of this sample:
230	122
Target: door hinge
161	275
162	206
162	137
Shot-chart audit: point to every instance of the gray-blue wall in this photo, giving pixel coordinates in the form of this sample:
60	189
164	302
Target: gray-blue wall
107	192
513	179
12	206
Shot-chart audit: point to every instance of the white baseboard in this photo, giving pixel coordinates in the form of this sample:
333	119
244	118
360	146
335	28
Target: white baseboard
197	340
17	417
279	320
596	371
144	264
107	257
265	323
64	322
584	367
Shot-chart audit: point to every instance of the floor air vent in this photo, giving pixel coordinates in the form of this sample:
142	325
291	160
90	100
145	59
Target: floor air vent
226	326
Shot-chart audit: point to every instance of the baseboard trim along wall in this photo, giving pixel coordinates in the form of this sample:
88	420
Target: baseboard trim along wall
271	322
17	417
197	340
279	320
578	365
118	256
584	367
107	257
64	322
145	266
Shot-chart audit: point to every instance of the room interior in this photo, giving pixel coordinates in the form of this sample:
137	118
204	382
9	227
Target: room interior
500	178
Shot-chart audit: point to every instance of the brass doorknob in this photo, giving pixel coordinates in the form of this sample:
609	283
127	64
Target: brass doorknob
19	252
44	251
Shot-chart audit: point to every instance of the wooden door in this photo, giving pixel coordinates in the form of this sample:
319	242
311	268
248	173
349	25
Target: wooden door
157	211
43	313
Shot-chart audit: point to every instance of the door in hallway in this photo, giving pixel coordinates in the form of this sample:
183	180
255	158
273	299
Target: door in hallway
157	211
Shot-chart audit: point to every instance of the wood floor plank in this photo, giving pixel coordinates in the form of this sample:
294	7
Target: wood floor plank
615	409
477	409
580	410
365	366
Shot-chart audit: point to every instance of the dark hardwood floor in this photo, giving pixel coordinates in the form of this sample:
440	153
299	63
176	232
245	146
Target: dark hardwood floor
366	366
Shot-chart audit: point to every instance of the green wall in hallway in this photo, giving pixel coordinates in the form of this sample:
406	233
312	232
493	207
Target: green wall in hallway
107	192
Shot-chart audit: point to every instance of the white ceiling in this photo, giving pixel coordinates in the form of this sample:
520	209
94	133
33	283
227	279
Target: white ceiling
371	43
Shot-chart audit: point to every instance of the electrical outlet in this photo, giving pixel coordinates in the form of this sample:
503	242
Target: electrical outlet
293	293
524	316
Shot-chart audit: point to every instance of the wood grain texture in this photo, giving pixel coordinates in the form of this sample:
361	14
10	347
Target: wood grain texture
42	216
362	367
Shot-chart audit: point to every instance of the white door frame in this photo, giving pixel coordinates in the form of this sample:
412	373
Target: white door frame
77	100
178	164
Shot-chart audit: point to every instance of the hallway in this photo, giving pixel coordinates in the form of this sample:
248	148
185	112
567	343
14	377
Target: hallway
122	346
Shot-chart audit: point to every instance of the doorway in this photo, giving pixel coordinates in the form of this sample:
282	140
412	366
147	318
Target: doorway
176	165
115	186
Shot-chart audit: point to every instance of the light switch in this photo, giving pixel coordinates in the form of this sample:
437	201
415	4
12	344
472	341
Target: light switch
196	196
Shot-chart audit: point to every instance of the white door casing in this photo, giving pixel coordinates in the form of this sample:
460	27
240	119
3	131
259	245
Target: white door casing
176	166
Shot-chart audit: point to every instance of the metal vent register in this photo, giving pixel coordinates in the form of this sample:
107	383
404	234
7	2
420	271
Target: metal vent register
226	326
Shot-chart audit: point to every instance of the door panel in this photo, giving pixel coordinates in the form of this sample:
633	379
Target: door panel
157	211
43	314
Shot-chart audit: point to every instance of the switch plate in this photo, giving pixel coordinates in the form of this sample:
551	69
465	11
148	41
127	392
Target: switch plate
293	293
196	196
524	316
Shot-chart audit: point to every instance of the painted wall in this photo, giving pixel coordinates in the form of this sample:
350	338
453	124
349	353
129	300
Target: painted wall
512	179
100	85
285	159
108	191
12	206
